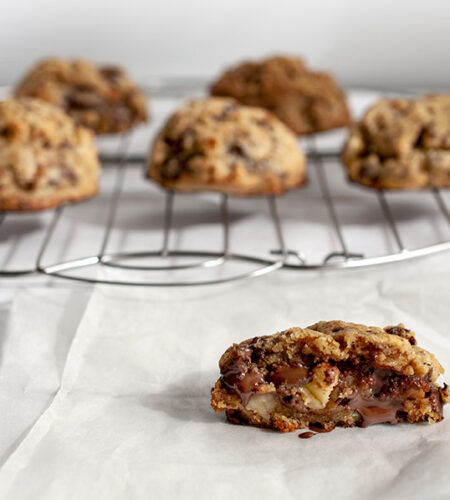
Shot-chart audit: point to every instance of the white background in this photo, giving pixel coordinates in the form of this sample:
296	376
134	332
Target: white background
390	43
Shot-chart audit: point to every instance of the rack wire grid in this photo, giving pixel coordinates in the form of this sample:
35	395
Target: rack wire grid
329	224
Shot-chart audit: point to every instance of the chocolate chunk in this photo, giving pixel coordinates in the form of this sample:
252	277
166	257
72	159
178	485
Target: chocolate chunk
226	112
289	374
81	100
237	150
242	378
7	132
403	332
111	73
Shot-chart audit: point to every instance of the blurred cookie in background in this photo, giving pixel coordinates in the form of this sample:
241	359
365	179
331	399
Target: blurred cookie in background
102	98
45	158
221	145
402	144
305	100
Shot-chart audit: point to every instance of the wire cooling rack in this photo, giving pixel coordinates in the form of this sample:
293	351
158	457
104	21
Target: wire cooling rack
410	225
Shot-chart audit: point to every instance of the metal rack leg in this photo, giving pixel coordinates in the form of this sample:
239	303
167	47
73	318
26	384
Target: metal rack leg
10	255
326	196
48	235
168	216
278	230
116	260
441	203
390	220
225	226
323	183
120	176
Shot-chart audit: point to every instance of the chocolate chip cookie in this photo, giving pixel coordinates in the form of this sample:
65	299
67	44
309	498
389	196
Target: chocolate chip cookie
305	100
330	374
45	157
402	144
103	99
218	144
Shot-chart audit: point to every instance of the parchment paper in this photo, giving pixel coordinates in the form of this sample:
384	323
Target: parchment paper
35	339
132	417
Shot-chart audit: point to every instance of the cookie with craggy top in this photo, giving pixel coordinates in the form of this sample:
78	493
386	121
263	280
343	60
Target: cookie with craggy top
218	144
305	100
401	144
103	99
330	374
45	158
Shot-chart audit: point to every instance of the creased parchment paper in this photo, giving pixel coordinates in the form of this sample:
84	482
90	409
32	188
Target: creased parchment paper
35	339
132	417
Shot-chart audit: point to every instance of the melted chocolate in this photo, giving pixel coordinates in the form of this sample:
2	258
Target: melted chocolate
313	430
242	379
379	379
306	435
375	411
319	429
289	374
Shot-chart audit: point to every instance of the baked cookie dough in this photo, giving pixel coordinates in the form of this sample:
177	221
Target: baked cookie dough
103	99
330	374
45	158
305	100
402	144
218	144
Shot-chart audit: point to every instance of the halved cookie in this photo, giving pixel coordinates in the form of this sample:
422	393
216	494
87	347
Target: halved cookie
45	158
330	374
306	101
218	144
103	99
